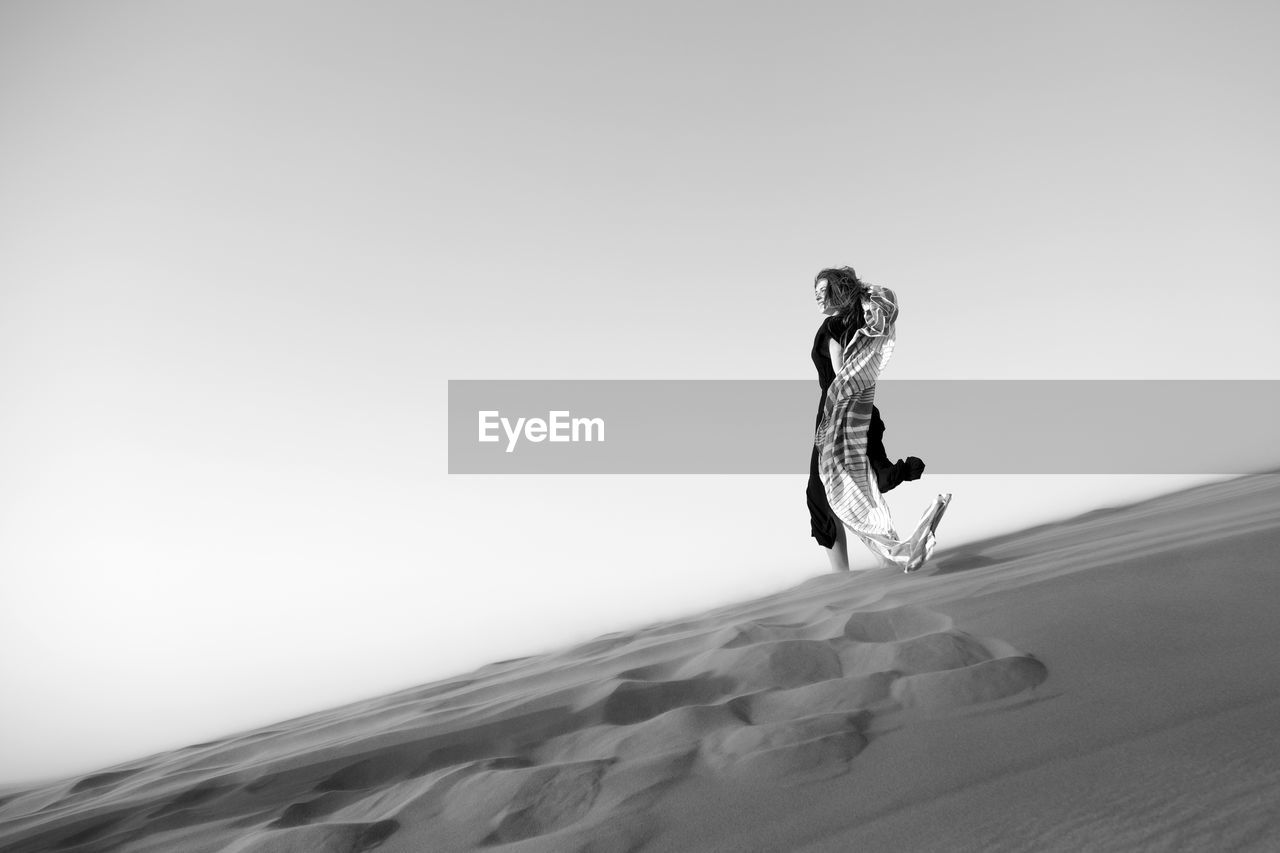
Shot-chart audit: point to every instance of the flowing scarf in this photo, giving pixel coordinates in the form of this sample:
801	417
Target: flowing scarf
841	438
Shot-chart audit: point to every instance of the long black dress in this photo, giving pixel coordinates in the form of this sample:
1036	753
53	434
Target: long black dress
822	520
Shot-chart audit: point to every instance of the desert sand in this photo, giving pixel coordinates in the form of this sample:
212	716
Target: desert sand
1105	682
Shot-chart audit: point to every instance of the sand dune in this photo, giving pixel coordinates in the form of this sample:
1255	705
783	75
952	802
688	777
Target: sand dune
1107	682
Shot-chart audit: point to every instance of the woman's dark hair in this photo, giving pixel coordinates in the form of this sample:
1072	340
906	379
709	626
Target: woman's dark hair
844	288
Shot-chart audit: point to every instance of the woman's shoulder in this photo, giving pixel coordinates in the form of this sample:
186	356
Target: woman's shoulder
840	327
834	325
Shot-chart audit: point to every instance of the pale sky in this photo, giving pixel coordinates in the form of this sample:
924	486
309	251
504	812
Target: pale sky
244	245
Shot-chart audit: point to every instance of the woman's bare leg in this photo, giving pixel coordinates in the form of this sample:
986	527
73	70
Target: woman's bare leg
838	553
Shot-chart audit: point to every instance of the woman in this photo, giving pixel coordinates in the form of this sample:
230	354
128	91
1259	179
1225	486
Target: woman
849	470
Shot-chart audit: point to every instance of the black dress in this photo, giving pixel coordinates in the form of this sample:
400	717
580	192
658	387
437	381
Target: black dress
822	520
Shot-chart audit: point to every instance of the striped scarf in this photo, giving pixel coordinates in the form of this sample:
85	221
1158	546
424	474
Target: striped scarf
841	438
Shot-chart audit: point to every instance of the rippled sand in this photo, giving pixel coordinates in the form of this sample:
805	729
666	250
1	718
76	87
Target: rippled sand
1106	682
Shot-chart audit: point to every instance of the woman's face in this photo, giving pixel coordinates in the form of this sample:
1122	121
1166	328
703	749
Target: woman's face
821	295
